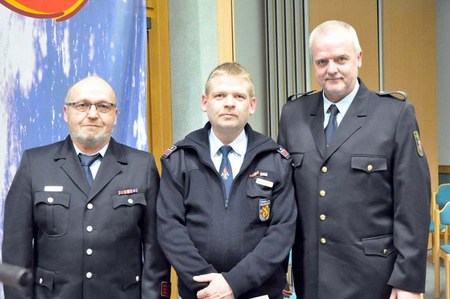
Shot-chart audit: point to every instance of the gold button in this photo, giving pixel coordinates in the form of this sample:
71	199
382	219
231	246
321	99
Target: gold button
324	169
369	167
323	240
385	251
323	217
322	193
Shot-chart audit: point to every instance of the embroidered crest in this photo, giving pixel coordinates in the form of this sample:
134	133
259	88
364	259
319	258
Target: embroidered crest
264	209
418	144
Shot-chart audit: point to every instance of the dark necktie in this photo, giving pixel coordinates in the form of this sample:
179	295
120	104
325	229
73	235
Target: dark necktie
332	123
86	162
225	170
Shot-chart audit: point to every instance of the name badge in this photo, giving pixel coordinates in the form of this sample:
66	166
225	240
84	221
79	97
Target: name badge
53	188
264	182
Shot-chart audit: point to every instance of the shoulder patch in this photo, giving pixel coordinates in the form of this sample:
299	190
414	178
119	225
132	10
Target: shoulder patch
398	94
299	95
283	152
418	143
169	151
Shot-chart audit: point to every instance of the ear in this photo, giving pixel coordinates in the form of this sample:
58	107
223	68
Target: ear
204	103
115	117
359	57
66	118
252	106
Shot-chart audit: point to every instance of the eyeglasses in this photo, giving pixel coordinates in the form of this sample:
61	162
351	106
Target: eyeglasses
102	107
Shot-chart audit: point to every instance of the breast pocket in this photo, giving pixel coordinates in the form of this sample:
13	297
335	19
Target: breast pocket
128	210
51	212
259	195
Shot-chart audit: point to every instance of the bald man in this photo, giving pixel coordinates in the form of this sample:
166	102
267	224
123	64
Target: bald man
81	212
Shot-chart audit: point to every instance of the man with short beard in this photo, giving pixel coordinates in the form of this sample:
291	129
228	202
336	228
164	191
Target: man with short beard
81	212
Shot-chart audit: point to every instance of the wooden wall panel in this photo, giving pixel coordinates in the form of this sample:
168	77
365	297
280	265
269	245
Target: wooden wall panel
410	65
158	79
362	15
225	31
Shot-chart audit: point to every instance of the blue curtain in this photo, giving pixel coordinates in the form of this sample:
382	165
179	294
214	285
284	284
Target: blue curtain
41	58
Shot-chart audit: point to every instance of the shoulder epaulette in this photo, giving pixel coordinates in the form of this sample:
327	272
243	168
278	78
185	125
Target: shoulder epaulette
169	151
299	95
398	94
283	152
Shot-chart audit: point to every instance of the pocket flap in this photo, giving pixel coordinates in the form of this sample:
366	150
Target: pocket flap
52	198
128	200
369	164
44	278
131	276
380	245
297	159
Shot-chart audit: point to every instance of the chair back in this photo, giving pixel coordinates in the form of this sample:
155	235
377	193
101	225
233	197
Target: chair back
443	194
444	215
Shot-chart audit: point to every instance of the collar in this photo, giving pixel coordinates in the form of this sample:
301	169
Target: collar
239	145
102	151
343	104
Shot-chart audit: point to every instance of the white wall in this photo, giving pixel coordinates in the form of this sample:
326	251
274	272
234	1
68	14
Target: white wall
193	55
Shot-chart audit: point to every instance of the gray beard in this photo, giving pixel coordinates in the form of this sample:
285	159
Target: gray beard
95	141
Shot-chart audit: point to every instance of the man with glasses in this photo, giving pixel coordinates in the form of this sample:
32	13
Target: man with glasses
81	212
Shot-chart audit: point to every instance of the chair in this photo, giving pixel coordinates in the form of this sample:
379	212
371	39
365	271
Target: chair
439	199
441	217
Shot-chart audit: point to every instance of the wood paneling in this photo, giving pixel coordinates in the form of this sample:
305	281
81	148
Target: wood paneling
158	92
362	15
410	65
159	114
225	30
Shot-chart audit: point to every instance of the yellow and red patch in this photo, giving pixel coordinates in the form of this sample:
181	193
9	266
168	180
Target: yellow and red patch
58	10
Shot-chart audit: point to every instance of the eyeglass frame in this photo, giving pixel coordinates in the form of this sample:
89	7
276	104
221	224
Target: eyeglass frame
89	105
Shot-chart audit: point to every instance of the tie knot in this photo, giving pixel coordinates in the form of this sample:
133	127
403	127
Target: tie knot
333	109
88	160
225	150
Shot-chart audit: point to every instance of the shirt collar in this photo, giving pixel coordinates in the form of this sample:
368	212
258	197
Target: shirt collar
239	145
102	151
343	104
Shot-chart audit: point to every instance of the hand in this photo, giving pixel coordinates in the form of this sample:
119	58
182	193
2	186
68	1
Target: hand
401	294
287	292
218	287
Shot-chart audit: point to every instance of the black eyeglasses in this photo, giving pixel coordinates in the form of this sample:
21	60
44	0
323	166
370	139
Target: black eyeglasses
102	107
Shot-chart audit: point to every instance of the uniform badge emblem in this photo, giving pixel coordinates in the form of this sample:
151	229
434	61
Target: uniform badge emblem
165	289
169	151
225	174
264	209
127	191
418	144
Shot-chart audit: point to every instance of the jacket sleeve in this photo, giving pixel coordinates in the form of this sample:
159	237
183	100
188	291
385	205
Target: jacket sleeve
156	270
172	232
271	252
18	227
411	185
